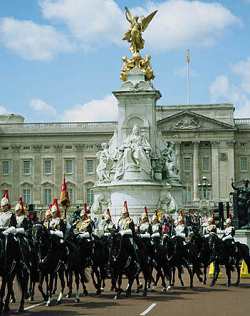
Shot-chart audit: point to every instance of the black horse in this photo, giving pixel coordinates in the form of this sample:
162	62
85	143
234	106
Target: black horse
12	264
52	255
123	261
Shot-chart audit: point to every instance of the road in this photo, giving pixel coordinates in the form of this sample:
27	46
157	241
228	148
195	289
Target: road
202	300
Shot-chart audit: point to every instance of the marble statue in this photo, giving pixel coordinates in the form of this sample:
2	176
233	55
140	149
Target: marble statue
103	167
134	154
100	204
169	155
167	202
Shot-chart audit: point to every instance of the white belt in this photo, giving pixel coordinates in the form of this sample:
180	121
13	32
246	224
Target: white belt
126	232
146	235
84	235
58	233
156	235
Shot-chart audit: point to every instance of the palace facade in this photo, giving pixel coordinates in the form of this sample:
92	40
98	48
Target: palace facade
212	147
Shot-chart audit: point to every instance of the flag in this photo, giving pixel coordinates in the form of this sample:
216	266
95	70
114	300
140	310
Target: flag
64	197
188	56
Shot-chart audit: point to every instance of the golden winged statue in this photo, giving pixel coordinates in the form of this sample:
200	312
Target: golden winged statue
137	26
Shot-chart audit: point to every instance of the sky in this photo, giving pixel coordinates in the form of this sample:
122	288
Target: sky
60	60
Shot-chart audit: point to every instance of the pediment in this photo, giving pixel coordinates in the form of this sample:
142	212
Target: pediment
190	121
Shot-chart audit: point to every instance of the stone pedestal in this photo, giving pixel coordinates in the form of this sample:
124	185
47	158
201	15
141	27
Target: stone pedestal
243	236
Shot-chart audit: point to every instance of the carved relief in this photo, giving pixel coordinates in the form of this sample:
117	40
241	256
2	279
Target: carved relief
188	123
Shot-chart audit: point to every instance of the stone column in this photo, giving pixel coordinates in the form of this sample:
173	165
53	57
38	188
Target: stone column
37	176
196	171
178	155
215	172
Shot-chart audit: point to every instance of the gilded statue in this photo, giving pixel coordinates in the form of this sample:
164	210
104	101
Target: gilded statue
137	27
134	37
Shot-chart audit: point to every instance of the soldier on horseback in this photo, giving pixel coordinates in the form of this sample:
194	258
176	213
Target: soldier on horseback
210	228
228	237
7	218
144	228
84	226
56	225
180	228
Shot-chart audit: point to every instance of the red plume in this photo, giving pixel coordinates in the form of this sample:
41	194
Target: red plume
21	203
55	202
126	205
6	195
146	210
108	212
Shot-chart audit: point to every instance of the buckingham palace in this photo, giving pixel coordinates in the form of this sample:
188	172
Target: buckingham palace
212	147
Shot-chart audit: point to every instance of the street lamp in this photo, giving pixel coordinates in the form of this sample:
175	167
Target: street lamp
204	187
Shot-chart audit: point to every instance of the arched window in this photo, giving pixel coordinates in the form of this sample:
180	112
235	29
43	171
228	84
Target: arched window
27	194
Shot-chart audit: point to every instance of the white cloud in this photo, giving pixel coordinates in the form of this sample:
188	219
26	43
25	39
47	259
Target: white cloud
32	41
90	21
242	69
178	23
223	89
105	109
41	106
3	110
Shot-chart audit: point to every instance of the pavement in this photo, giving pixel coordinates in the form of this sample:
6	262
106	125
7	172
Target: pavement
201	300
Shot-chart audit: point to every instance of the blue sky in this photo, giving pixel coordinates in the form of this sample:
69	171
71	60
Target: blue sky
61	59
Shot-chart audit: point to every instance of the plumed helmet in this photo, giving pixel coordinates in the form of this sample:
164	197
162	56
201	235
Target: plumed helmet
48	213
20	206
107	215
144	215
5	199
210	221
155	218
228	221
125	208
55	208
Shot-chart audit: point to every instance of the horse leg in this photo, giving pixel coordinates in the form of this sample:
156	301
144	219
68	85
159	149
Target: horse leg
238	273
12	297
50	287
119	283
173	276
216	273
85	292
40	287
2	293
190	272
61	277
55	285
179	268
129	287
205	274
138	283
70	281
228	272
77	281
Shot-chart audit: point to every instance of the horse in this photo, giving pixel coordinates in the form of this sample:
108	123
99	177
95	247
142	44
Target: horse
12	265
52	253
220	255
122	261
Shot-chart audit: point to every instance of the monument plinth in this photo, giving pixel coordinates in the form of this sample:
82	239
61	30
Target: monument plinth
137	165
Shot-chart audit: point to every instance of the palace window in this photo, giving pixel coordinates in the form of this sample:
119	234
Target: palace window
68	166
243	164
188	194
47	196
27	195
27	167
71	195
6	167
47	165
205	163
90	166
187	163
90	194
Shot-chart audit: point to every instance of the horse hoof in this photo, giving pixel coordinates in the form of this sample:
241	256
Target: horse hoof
115	297
77	300
21	310
168	288
58	302
68	296
85	293
98	292
144	293
164	290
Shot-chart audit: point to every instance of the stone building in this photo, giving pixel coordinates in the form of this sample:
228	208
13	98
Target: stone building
211	146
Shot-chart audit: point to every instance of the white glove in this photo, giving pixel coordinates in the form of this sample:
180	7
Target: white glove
10	230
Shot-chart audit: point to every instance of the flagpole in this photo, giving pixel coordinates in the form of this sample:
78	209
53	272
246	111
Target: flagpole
188	75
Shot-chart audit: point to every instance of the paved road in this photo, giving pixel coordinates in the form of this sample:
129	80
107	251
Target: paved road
202	300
